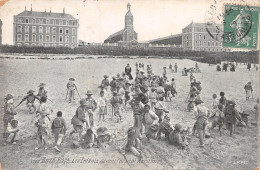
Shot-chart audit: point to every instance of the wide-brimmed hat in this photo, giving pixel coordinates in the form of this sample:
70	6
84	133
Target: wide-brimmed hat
118	75
249	82
105	76
83	102
30	91
214	96
102	131
72	79
113	77
232	101
42	85
8	97
89	93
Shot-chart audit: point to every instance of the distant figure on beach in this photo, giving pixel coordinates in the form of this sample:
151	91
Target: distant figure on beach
71	87
128	71
176	67
248	66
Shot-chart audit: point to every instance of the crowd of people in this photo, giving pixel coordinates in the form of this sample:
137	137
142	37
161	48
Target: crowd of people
146	94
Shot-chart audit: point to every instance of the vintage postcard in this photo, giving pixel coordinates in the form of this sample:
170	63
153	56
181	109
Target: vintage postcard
129	84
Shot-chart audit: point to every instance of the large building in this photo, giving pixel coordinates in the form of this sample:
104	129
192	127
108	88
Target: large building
1	31
175	40
46	29
127	34
196	36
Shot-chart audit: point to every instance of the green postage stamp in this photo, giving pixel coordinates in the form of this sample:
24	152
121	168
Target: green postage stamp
241	26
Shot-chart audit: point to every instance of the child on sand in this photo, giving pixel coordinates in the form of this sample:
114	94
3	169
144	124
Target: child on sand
102	102
12	132
42	124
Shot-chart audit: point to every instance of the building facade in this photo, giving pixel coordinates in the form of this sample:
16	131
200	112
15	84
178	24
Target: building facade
128	34
196	37
173	40
46	29
1	24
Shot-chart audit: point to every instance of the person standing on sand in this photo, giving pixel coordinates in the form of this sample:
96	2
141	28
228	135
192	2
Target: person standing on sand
128	71
102	103
137	108
176	67
59	128
42	92
113	84
42	125
105	82
201	114
116	102
71	87
248	88
90	107
249	66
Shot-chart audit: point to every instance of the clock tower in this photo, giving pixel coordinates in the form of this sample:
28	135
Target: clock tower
129	33
128	17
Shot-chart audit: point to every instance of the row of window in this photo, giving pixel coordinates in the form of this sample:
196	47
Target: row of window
211	49
199	29
46	45
48	38
198	37
207	43
48	30
46	21
204	43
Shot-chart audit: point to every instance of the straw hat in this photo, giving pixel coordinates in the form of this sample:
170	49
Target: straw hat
42	85
72	79
30	92
89	93
8	97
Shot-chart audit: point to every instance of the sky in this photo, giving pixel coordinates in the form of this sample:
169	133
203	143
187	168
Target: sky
98	19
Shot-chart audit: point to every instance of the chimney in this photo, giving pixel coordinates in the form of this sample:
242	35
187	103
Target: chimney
50	10
31	7
25	8
63	10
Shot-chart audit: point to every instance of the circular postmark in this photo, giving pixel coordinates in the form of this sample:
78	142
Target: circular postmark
228	25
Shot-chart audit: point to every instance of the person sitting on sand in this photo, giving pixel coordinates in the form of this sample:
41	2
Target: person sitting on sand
165	128
176	139
133	142
12	132
9	112
88	139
